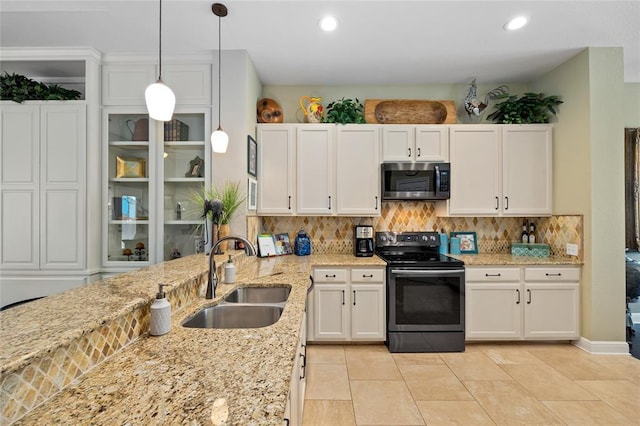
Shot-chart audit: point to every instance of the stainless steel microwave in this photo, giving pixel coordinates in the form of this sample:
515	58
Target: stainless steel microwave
416	181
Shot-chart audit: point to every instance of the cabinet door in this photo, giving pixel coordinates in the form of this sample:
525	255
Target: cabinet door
398	143
331	312
62	212
358	170
314	169
527	170
493	311
368	312
432	143
276	169
475	170
190	83
20	185
125	84
551	311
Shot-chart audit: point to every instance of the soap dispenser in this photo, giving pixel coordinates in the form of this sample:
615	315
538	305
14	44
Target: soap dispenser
229	272
160	313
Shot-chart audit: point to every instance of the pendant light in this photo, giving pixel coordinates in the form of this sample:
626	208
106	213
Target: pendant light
219	139
158	96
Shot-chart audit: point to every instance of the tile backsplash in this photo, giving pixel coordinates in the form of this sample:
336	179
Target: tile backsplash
495	234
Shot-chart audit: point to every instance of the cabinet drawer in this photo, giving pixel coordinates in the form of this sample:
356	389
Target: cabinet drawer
330	275
367	275
552	274
493	274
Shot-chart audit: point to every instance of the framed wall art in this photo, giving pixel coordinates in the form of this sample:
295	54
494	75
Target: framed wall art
468	242
252	195
252	156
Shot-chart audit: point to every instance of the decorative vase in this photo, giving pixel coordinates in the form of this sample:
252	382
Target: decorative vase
222	231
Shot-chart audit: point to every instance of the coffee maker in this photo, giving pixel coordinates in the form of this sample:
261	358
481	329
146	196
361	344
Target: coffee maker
363	241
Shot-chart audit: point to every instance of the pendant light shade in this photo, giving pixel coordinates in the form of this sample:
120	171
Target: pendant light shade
159	98
160	101
219	139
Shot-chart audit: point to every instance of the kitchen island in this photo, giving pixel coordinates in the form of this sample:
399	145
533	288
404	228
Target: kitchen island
195	376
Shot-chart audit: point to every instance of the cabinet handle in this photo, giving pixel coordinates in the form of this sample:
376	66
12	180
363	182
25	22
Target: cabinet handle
506	203
376	202
409	149
528	296
354	298
518	293
343	297
330	276
286	422
553	275
493	275
304	365
329	202
419	152
497	203
367	276
289	202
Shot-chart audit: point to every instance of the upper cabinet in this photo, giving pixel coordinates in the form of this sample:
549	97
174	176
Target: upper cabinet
500	171
125	84
318	169
415	143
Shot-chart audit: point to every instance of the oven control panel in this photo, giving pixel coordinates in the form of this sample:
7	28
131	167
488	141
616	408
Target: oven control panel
407	239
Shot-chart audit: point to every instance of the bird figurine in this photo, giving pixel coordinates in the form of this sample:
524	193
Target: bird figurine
475	106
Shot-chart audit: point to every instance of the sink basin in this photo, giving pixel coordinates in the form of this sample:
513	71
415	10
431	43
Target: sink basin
235	316
258	295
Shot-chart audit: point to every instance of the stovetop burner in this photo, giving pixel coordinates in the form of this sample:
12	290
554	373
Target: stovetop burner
412	248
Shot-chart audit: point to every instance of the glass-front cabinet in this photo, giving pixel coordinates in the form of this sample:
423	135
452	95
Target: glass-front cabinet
153	173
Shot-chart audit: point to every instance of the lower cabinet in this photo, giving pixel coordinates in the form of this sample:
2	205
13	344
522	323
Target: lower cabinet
529	303
348	304
295	402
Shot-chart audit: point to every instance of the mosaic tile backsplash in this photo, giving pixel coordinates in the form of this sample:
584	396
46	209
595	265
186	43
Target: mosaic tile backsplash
495	234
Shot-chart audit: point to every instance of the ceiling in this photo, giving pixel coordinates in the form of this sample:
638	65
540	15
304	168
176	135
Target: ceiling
376	42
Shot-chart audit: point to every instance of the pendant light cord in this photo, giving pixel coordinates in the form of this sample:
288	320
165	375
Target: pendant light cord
160	45
219	70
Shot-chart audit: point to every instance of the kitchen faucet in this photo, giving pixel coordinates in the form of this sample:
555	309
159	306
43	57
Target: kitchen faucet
249	250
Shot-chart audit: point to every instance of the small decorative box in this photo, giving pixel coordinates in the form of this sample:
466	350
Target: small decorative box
534	250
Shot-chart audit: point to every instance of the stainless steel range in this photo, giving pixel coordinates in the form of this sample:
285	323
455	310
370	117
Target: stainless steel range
425	293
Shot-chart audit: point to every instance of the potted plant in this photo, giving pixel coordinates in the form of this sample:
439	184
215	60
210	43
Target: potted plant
18	88
219	205
529	108
345	111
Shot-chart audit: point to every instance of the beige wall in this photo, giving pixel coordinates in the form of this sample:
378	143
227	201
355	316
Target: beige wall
631	105
588	179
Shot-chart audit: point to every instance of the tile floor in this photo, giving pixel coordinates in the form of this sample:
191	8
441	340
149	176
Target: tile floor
503	384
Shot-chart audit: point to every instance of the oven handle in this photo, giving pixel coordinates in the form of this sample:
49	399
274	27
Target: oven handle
438	272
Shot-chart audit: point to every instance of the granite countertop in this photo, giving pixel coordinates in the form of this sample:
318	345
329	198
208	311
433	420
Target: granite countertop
194	376
485	259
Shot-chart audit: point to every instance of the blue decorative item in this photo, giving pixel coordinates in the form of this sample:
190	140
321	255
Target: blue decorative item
444	244
302	244
455	245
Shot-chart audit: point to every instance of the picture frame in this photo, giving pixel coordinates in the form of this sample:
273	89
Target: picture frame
130	167
252	194
252	156
196	168
468	241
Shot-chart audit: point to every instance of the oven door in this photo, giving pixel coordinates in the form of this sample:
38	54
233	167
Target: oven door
422	299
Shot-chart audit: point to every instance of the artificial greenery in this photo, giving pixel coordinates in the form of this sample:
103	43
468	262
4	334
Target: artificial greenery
18	88
345	111
529	108
230	196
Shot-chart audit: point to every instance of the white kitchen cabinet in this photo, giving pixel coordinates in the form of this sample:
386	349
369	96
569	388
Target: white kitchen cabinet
358	170
415	143
499	170
295	402
43	195
125	84
152	171
315	169
276	169
349	304
533	303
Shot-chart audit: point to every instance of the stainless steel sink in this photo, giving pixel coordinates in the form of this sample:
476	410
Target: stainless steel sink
258	295
235	316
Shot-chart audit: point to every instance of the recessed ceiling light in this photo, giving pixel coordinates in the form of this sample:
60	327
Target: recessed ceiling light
328	23
516	23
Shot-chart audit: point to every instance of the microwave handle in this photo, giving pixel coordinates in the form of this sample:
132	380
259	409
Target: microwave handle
437	170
